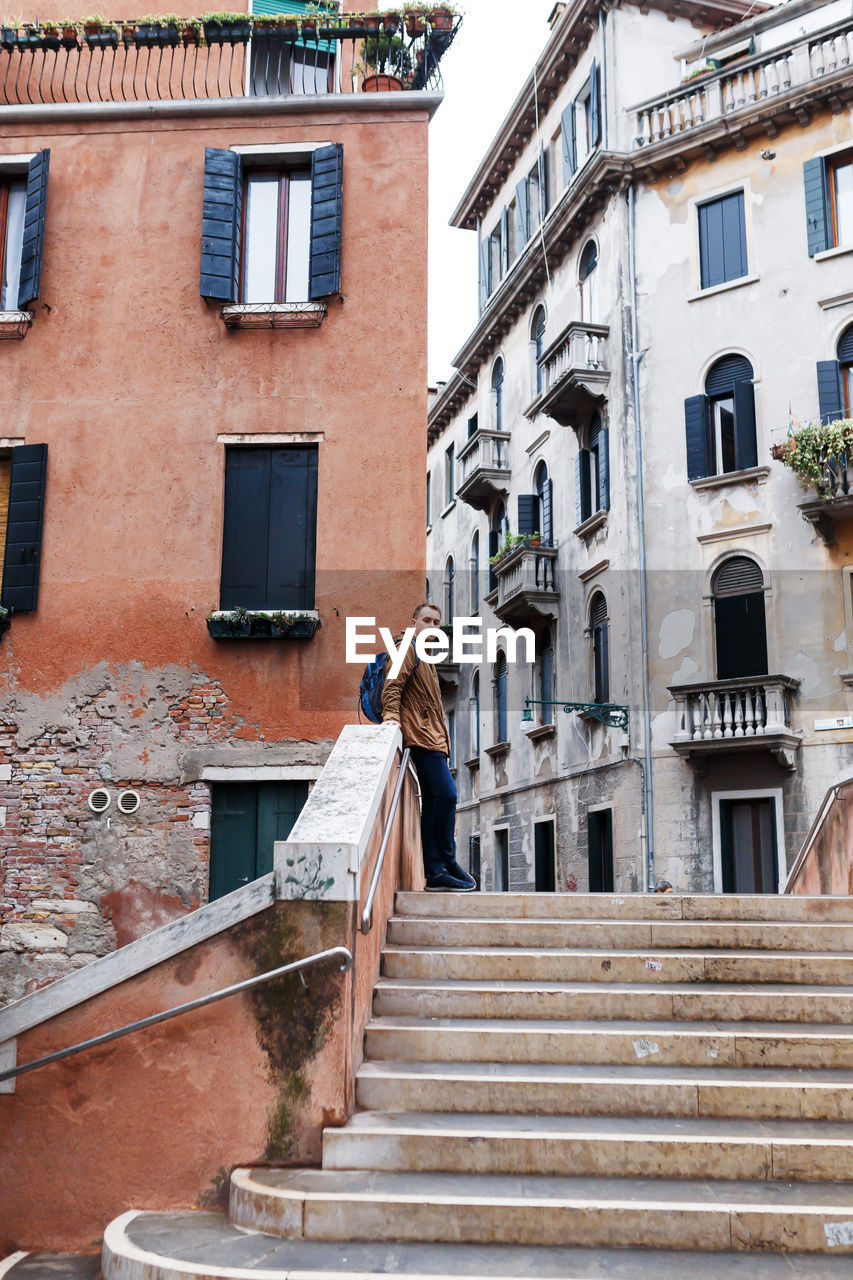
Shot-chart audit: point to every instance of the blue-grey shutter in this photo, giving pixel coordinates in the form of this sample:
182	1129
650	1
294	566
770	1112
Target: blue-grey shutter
292	528
220	224
22	560
528	512
604	469
505	242
547	504
746	446
32	249
829	391
522	221
818	219
697	411
327	185
483	278
544	203
569	140
594	107
246	529
579	504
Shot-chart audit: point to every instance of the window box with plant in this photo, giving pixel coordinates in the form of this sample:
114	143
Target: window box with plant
704	69
162	29
99	33
18	36
226	28
821	456
262	624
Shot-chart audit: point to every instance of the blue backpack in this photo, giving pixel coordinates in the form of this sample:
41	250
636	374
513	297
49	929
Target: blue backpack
372	684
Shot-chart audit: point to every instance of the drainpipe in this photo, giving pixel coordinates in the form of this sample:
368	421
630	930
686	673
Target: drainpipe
636	357
601	32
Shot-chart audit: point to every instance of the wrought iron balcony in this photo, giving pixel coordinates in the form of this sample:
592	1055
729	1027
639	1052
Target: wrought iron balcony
320	53
749	714
527	585
485	468
575	373
834	499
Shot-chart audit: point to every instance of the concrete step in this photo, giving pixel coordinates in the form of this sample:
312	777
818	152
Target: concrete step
322	1204
571	964
630	906
726	935
770	1002
178	1246
533	1089
594	1146
51	1266
654	1043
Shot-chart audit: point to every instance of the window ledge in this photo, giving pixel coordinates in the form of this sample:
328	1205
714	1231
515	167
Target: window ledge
473	764
499	749
541	732
447	510
833	253
745	476
593	522
263	624
14	324
451	769
274	315
722	288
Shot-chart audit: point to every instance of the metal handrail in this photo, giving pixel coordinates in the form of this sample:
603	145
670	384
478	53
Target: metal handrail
247	985
367	914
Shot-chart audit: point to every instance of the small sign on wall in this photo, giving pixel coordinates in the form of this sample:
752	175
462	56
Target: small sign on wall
840	722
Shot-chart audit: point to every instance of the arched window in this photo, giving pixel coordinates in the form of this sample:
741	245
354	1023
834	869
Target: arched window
498	394
720	425
586	283
474	738
449	590
740	628
498	529
475	573
593	470
600	648
546	678
500	698
537	347
835	381
544	489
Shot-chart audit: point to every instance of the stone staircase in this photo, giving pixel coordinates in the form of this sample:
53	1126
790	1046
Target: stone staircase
569	1086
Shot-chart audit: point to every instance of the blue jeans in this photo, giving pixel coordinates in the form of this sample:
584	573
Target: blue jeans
438	811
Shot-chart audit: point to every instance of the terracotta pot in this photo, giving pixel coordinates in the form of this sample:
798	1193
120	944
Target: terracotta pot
381	84
441	19
415	25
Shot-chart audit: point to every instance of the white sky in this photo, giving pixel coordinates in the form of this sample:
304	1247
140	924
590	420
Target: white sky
483	71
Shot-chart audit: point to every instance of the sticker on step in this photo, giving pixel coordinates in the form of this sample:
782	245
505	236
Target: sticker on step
838	1233
713	1051
654	965
617	902
645	1048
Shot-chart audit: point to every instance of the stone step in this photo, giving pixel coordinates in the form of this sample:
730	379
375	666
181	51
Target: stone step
770	1002
629	906
51	1266
594	1146
322	1204
727	935
182	1246
533	1089
724	1044
571	964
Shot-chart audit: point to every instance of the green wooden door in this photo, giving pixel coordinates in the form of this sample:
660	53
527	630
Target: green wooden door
246	821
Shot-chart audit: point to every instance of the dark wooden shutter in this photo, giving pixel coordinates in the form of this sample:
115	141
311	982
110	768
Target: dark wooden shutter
741	636
528	512
32	250
600	649
522	221
829	391
494	543
292	529
327	185
603	446
697	428
505	242
594	106
746	446
483	279
845	346
569	141
221	219
22	559
818	219
546	499
245	536
474	858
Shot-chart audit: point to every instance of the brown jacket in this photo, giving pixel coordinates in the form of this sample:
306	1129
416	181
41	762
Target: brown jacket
421	713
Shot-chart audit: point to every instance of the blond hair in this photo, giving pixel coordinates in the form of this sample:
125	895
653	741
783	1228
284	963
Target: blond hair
427	604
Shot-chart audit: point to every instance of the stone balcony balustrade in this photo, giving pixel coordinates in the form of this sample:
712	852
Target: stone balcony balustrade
527	589
484	460
575	373
749	714
833	501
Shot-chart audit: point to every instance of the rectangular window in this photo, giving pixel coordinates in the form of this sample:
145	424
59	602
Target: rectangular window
722	240
276	236
13	199
841	200
270	528
472	425
246	821
555	165
495	256
502	861
543	853
449	476
600	850
582	112
5	480
511	246
748	845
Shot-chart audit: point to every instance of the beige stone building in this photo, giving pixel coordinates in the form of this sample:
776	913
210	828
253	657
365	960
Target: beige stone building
665	232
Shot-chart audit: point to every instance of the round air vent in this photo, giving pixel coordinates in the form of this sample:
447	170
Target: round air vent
129	801
99	800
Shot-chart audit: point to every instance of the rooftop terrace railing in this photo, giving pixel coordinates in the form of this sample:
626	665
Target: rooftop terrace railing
257	56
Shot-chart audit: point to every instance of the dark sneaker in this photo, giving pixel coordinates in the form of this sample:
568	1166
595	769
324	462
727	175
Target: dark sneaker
446	883
459	874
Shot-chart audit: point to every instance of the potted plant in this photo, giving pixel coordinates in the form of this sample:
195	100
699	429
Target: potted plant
705	69
309	29
372	22
161	29
50	37
817	453
68	39
536	538
99	33
191	31
391	22
226	28
442	19
5	619
279	28
415	23
17	36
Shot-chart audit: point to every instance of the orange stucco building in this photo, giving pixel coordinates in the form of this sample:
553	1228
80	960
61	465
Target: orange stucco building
187	437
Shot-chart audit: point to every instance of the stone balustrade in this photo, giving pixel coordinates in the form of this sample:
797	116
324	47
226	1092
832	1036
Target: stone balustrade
739	714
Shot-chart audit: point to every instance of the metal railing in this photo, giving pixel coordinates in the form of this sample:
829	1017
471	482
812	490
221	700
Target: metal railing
256	57
366	923
248	984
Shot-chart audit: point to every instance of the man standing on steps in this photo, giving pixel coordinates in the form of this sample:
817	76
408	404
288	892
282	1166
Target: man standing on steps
412	700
